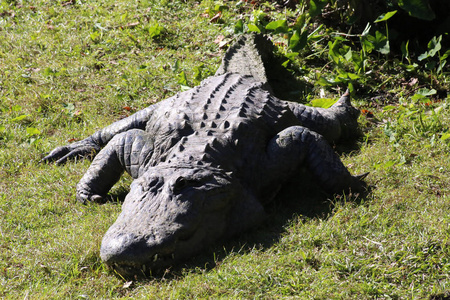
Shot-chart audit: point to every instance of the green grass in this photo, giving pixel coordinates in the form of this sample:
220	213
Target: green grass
70	68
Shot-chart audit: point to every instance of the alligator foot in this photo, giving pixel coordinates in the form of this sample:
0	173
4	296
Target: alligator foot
297	145
84	197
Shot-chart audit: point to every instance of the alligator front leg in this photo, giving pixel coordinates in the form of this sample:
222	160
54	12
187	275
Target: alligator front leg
298	146
92	144
127	151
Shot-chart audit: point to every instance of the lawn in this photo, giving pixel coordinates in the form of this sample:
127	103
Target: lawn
69	68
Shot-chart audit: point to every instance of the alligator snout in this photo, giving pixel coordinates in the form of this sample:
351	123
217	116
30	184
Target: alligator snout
131	254
166	217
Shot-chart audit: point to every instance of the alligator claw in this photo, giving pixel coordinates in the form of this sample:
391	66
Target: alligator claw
55	154
358	185
362	176
85	197
62	154
86	151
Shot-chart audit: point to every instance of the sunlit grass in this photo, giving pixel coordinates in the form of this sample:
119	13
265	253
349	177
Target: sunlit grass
70	68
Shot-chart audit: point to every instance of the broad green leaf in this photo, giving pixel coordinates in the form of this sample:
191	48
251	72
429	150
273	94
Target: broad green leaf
182	80
198	72
155	30
323	102
388	107
434	46
298	41
19	118
279	26
445	55
220	7
426	92
366	42
253	28
445	136
389	164
381	43
16	108
316	6
33	131
333	51
348	76
349	55
300	22
423	56
291	55
2	129
239	26
417	96
49	72
325	82
294	40
69	106
358	61
418	8
176	66
386	49
386	16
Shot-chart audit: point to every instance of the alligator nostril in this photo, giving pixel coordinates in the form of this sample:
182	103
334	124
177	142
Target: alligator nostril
117	248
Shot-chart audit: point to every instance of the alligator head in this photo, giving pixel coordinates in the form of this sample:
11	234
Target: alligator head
171	213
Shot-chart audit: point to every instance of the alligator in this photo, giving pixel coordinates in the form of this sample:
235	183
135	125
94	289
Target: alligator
205	162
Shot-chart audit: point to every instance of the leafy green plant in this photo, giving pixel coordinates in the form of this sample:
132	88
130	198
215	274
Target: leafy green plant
417	8
297	34
323	102
156	30
418	119
434	47
420	9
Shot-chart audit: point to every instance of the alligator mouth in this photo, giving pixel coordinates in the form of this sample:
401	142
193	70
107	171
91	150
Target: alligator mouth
157	265
139	259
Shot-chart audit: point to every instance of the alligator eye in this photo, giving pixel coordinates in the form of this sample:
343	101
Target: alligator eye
180	184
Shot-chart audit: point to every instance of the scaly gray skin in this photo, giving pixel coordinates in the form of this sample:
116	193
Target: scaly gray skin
205	161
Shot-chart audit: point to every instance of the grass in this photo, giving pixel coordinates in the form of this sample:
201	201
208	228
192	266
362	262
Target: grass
71	67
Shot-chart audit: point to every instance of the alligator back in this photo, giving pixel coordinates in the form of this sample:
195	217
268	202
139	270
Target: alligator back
227	121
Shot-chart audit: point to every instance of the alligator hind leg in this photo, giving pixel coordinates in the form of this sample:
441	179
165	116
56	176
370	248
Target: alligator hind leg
298	146
125	152
339	122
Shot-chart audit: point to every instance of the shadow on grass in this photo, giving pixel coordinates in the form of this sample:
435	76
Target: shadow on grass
442	296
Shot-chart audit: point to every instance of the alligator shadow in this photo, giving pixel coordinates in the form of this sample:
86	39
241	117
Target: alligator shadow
285	85
299	199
